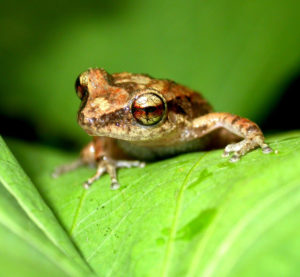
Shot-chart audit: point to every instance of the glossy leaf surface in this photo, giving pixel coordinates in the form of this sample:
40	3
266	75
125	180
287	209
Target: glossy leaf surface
192	215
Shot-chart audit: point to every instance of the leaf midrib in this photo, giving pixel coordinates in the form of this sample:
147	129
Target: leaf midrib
74	223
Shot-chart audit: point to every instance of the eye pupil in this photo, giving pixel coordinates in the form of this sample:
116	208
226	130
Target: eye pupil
148	109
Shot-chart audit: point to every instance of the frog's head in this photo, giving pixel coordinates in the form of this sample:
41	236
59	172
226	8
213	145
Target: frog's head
122	105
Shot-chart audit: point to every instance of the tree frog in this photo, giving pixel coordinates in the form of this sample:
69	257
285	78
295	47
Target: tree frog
137	116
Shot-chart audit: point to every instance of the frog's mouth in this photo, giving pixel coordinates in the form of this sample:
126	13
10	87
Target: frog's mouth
86	123
105	126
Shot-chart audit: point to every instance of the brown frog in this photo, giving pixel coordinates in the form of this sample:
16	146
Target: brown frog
135	115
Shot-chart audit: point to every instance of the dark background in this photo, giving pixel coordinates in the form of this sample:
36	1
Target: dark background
244	56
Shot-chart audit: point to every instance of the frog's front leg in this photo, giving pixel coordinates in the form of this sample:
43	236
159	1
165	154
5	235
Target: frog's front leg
248	130
101	153
106	164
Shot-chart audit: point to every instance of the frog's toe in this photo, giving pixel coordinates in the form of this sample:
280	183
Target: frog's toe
266	149
129	164
100	170
119	164
225	154
114	185
243	147
235	158
110	166
236	149
86	185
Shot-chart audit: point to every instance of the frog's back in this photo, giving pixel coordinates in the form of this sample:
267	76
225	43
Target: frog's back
180	99
185	101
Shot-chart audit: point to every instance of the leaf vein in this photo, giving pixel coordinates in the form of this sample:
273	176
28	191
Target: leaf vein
174	224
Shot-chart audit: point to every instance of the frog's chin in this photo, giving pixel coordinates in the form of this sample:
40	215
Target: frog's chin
89	130
97	133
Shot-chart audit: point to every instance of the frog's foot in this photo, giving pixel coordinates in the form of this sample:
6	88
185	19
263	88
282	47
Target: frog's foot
110	166
243	147
66	168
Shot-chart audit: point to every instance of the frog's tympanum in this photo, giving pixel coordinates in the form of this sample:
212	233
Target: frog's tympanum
135	116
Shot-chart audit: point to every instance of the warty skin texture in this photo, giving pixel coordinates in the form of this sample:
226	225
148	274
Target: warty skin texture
135	115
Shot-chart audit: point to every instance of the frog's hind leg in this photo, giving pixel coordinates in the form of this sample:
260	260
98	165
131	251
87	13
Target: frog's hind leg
242	127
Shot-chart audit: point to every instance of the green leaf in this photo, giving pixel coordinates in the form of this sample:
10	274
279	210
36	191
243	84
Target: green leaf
239	54
22	243
27	216
192	215
19	258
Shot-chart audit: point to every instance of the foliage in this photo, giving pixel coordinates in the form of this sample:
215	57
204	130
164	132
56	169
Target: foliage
192	215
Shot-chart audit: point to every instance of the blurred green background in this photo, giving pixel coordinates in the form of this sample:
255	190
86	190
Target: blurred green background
241	55
244	56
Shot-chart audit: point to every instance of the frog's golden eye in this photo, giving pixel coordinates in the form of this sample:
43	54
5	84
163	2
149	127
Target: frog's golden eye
80	89
148	109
